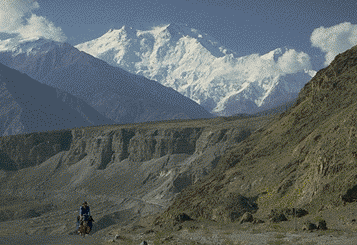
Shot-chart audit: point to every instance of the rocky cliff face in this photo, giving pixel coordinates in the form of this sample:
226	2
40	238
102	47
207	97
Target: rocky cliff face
137	167
27	150
116	143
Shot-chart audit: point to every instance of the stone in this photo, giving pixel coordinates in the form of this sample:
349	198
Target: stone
247	217
299	212
182	218
309	226
277	216
322	225
351	195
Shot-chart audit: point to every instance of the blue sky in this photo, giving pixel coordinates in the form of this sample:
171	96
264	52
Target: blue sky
245	26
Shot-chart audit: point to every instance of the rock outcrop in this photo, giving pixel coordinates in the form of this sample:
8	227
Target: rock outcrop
28	150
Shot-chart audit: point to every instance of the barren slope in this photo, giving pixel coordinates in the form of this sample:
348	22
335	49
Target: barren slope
123	171
306	159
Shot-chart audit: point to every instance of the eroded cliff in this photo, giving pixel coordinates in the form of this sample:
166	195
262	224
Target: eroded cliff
137	167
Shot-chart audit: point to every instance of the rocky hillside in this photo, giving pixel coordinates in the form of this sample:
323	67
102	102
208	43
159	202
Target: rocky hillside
306	159
124	171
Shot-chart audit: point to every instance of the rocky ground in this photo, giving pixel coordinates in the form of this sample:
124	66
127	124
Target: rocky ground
57	228
209	232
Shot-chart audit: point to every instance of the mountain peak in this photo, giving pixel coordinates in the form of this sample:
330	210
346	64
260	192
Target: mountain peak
197	65
275	54
37	44
124	30
177	28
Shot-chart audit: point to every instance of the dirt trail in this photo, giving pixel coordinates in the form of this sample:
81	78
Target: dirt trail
51	240
238	238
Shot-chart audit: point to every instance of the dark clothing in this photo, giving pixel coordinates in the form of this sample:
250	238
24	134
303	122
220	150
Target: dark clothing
84	210
90	224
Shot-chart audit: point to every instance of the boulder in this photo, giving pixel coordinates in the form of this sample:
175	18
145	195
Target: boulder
298	212
322	225
309	226
182	218
278	218
247	217
351	195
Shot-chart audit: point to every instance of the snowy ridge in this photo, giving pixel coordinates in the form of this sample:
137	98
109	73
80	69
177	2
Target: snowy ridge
33	45
115	93
197	66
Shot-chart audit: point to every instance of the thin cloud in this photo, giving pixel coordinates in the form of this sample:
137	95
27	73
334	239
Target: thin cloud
292	61
16	17
334	40
288	61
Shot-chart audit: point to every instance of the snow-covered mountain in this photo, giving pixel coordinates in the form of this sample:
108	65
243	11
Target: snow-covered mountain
28	106
197	66
114	92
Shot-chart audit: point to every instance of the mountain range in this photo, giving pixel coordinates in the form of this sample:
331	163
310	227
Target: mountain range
28	106
209	169
198	67
217	81
195	175
118	95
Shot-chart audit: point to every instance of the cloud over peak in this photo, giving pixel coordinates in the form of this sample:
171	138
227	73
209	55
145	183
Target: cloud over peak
291	61
334	40
16	17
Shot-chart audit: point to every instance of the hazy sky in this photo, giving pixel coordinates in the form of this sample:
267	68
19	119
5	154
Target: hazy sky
245	26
